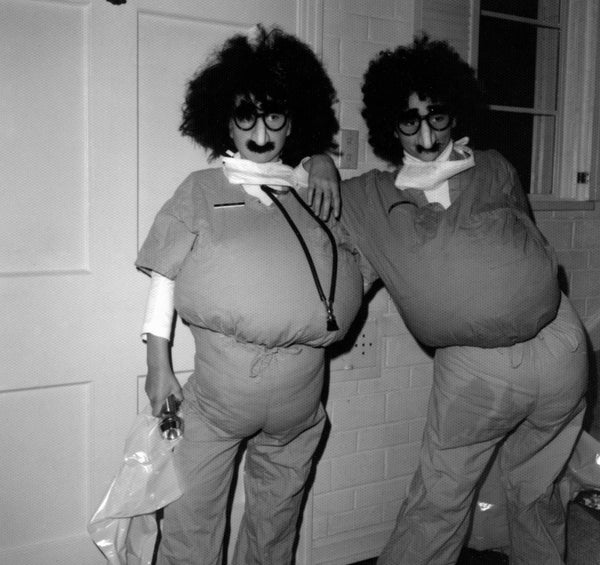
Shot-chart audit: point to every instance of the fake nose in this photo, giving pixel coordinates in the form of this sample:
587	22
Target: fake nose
260	133
426	135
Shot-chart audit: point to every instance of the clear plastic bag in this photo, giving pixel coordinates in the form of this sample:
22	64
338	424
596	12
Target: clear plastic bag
124	526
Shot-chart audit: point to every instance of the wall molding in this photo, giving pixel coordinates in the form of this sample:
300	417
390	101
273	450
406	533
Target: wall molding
309	23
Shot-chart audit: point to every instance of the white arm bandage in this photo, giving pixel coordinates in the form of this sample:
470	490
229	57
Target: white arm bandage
159	307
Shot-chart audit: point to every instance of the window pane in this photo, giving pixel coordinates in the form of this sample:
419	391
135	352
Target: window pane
546	10
515	59
527	141
523	8
512	135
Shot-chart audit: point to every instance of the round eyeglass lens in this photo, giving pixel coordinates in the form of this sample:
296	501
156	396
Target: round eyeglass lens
274	121
438	121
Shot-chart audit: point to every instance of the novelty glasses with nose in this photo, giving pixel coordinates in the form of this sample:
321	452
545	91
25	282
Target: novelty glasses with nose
246	114
438	118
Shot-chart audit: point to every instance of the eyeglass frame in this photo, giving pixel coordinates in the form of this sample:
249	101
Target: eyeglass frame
435	110
261	115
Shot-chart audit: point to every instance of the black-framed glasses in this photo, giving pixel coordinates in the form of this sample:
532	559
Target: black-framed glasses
245	117
438	118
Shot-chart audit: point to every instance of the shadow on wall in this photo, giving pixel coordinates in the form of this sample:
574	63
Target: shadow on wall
563	280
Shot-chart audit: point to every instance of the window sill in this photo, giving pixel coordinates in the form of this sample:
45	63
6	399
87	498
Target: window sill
540	202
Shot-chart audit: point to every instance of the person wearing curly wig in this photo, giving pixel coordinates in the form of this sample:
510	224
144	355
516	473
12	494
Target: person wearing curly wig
263	284
449	232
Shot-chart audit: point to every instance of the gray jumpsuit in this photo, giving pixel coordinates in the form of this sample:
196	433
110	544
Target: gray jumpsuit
244	287
526	399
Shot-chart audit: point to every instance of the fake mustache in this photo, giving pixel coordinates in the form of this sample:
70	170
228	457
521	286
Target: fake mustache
433	149
255	148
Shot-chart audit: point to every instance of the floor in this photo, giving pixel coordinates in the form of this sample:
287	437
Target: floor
583	542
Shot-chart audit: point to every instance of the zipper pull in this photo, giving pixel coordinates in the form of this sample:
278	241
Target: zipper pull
332	325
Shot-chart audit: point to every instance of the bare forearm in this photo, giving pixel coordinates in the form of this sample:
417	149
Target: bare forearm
157	352
160	381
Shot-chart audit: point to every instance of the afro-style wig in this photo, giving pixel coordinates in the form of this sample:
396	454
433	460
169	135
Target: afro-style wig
268	66
431	69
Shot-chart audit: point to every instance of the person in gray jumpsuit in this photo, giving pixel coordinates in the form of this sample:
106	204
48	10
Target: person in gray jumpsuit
442	229
264	286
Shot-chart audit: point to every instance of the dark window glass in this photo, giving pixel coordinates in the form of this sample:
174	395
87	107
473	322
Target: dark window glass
518	66
512	135
507	59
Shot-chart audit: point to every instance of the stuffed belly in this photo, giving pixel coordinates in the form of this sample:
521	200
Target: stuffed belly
486	280
257	286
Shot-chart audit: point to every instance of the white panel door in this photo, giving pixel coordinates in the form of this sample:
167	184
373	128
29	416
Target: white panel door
90	95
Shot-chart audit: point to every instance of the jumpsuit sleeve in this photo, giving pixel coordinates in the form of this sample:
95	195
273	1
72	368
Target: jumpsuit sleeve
171	236
355	195
345	242
511	185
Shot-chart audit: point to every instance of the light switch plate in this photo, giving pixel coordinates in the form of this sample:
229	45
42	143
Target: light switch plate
349	149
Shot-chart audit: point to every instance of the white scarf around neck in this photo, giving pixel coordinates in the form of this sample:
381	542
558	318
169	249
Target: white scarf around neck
429	175
274	174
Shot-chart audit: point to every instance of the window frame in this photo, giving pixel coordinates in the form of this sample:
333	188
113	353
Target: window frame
565	193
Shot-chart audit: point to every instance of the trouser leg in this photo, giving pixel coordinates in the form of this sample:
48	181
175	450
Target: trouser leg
536	515
434	518
279	458
194	525
277	469
532	394
458	443
534	455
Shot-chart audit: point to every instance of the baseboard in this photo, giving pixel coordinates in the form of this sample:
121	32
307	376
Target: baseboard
67	551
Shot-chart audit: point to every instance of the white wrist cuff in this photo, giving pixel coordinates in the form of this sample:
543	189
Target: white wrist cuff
159	307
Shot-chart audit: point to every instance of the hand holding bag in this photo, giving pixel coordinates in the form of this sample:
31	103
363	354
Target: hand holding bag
124	526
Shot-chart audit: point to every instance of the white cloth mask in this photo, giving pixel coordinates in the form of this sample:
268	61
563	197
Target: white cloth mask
429	175
251	175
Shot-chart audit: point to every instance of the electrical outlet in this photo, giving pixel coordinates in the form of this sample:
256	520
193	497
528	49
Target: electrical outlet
348	149
363	352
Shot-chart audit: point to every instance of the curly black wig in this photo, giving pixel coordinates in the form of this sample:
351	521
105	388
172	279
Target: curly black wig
431	69
272	66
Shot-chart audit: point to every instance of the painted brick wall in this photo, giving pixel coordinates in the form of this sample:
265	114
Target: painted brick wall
576	237
380	380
